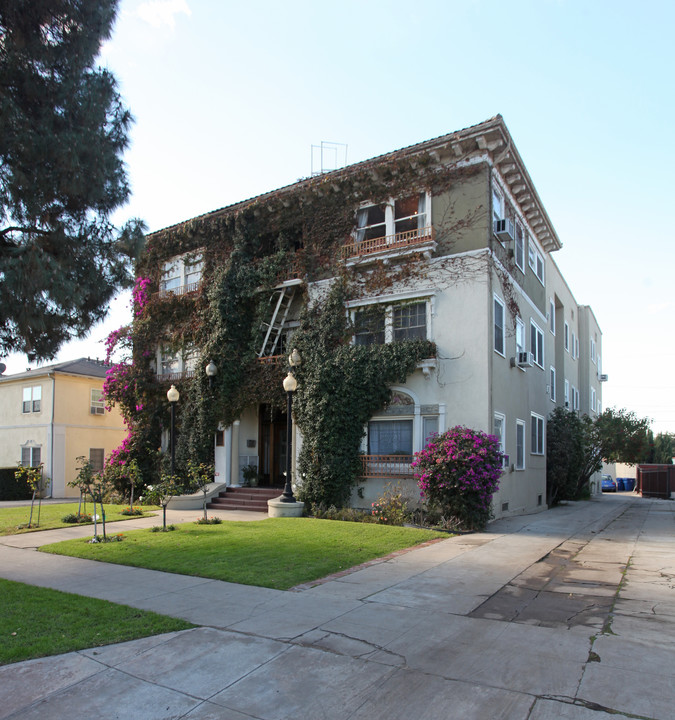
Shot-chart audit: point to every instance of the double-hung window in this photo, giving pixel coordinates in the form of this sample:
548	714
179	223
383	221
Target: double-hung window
567	393
32	399
567	337
536	261
499	326
390	437
520	445
96	402
593	399
551	318
181	274
593	354
498	429
369	325
520	336
410	321
537	343
553	395
536	434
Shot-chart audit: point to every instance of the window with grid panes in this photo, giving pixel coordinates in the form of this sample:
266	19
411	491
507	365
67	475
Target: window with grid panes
410	321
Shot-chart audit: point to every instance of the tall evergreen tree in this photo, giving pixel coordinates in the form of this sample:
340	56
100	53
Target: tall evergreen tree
63	129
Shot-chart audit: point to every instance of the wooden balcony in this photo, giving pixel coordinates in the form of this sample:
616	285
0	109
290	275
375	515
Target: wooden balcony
181	290
386	466
271	360
410	240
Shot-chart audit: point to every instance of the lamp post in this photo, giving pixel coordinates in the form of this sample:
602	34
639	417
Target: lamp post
211	371
173	396
290	386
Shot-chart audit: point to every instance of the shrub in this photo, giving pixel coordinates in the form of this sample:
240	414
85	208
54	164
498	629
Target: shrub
458	473
345	514
131	511
77	518
209	521
391	507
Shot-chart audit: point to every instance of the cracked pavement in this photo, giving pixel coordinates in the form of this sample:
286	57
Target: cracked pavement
567	614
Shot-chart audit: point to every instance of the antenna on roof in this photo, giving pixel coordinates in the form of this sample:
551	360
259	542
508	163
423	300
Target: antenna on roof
328	156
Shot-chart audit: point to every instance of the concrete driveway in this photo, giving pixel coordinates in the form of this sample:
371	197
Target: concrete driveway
568	614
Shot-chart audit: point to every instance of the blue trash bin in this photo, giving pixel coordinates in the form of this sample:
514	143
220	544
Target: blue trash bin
629	484
619	485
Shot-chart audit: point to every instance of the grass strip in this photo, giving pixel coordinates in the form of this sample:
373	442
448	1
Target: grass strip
50	516
275	553
36	622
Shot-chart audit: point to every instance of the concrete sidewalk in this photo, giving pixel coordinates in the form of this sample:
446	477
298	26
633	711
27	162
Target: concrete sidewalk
566	614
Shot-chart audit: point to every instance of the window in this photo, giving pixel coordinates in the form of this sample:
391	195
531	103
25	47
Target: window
96	459
402	215
520	336
390	437
567	393
519	251
170	362
429	427
499	325
537	344
593	354
576	347
97	402
593	399
553	396
498	425
32	399
369	325
551	316
536	261
537	434
520	445
383	323
31	456
410	321
181	274
567	337
179	362
575	398
497	205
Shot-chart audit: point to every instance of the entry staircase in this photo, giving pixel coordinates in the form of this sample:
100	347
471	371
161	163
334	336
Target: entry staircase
244	498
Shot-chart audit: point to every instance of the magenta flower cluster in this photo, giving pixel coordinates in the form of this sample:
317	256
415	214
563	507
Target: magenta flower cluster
141	294
459	472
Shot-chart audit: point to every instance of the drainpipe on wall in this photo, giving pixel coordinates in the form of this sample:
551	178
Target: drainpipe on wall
51	429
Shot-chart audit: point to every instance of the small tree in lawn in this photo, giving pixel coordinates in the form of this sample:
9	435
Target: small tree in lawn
169	486
458	473
32	476
96	486
201	476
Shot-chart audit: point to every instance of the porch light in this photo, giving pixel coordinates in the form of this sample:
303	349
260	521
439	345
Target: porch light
290	383
211	371
294	358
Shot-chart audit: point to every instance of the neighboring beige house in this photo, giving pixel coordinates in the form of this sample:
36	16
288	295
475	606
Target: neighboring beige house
512	342
54	414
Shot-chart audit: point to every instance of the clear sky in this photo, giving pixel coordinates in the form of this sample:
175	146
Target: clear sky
230	96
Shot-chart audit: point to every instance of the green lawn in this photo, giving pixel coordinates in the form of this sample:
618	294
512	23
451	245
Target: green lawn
50	516
276	552
36	622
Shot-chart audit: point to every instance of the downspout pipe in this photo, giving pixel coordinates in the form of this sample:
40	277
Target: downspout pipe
51	429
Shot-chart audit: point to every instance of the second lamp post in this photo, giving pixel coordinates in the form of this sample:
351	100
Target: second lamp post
290	386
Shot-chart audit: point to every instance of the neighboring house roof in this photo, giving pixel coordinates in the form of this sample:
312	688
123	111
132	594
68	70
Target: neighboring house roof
81	366
491	136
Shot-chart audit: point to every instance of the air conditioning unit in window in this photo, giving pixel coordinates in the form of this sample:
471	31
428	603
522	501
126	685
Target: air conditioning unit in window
97	410
525	359
504	230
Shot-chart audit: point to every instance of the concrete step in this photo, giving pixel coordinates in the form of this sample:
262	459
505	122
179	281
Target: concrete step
253	499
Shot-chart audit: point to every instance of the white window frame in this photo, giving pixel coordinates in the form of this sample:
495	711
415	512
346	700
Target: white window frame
537	434
31	399
537	348
567	337
553	393
520	336
567	393
499	420
184	360
520	444
535	260
388	305
96	401
498	303
32	451
390	220
498	204
576	348
575	398
593	399
593	353
551	320
181	273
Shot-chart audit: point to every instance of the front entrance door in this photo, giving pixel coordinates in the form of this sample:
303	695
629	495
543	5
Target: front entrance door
272	431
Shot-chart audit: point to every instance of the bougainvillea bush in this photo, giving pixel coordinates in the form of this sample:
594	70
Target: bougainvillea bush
458	473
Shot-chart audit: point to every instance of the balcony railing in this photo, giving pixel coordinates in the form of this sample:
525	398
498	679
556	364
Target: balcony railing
389	243
386	466
271	359
175	377
180	290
